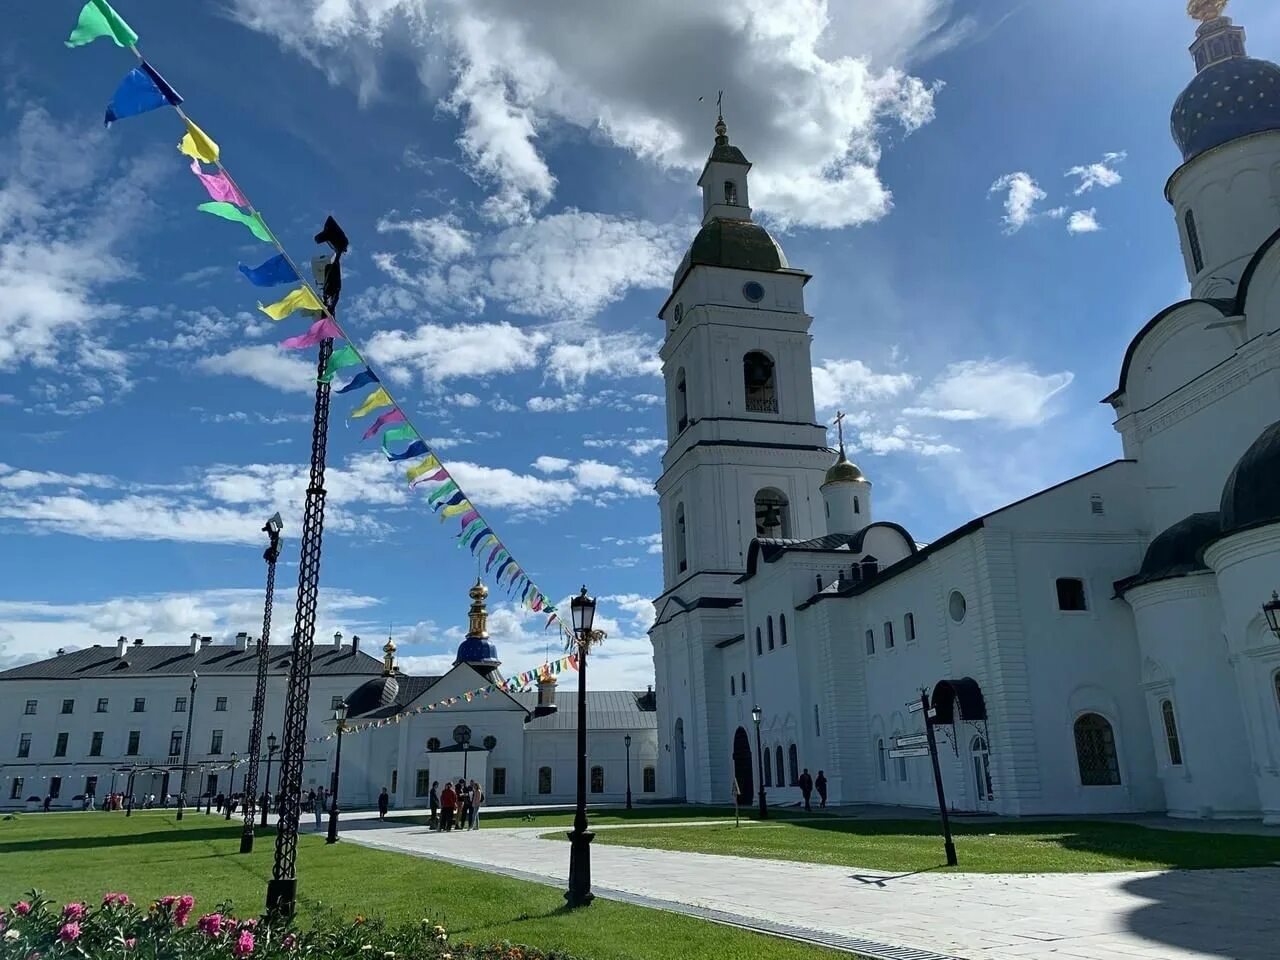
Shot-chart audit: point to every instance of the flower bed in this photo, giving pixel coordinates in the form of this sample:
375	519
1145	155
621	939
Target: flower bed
37	929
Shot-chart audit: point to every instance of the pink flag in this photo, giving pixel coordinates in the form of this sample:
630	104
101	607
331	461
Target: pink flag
322	329
391	416
441	474
468	517
219	187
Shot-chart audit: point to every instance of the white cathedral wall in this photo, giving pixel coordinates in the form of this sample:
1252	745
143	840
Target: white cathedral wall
558	750
505	725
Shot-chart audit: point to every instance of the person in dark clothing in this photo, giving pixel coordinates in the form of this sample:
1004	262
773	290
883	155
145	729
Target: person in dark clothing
821	784
435	805
447	801
219	800
384	802
48	802
464	796
806	787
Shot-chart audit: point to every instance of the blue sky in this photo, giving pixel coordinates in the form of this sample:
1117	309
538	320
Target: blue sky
518	189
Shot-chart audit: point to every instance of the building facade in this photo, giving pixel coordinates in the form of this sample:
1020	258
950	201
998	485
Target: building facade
1097	647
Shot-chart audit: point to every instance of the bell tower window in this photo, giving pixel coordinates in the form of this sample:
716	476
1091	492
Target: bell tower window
731	193
760	383
773	514
1193	240
682	401
682	556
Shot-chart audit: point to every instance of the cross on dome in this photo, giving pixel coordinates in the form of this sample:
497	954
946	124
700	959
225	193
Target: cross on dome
1206	10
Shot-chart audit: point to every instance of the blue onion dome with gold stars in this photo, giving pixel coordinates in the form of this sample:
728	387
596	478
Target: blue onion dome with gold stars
477	649
1233	95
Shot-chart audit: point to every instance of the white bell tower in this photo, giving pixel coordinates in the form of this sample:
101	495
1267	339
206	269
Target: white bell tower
744	457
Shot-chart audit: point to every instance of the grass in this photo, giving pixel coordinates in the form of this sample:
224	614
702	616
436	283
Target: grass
564	818
912	845
82	855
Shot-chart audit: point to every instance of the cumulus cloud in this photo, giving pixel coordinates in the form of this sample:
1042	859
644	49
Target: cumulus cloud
1084	221
1101	174
1004	391
265	363
852	382
1021	194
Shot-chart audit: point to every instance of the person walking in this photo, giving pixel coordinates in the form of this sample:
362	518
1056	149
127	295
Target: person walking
448	799
477	798
219	800
821	784
464	795
384	802
434	823
806	787
319	807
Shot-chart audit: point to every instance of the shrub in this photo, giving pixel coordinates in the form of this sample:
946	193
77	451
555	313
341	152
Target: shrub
36	929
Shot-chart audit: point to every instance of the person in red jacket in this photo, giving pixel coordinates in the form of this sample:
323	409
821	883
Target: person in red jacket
448	800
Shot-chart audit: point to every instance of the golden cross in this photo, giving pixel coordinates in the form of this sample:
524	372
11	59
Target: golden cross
1205	10
840	415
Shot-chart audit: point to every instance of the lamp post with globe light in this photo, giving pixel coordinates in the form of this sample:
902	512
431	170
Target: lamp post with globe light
340	719
583	608
755	716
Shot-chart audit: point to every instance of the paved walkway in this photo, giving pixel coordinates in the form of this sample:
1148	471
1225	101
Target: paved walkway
1176	915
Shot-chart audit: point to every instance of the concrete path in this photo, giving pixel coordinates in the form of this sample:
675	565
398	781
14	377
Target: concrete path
1176	915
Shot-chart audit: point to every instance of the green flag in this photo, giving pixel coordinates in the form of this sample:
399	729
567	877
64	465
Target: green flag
97	19
341	358
229	211
404	432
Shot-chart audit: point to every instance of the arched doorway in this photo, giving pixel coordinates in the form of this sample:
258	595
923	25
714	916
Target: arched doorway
742	766
980	774
677	757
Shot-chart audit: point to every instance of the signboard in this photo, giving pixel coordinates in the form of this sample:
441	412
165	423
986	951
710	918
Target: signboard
915	740
910	752
917	706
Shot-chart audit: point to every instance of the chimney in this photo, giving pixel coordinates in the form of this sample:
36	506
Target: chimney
546	696
355	645
122	644
195	644
59	652
137	641
242	641
206	641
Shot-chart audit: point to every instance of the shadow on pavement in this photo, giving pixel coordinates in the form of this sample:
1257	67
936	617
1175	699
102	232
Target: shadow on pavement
1226	913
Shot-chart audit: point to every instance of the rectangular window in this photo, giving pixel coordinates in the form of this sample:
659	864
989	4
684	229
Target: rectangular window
30	709
24	745
55	787
95	744
60	745
422	784
90	786
544	780
597	779
175	743
499	781
395	780
180	705
135	739
102	704
871	641
909	626
139	704
211	785
220	705
888	634
215	742
15	791
68	706
649	780
1071	594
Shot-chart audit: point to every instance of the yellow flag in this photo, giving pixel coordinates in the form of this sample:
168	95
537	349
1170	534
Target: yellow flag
300	299
456	509
426	466
379	398
198	144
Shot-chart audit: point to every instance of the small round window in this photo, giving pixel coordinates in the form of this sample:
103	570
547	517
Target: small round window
957	606
679	312
753	291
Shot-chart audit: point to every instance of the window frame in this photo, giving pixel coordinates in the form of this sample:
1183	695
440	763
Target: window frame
139	705
175	738
909	626
220	705
179	704
595	778
68	707
96	739
1059	583
215	743
870	637
103	702
1173	741
649	779
422	782
24	745
888	634
769	629
545	781
1110	751
782	629
15	791
30	707
1193	240
498	782
759	644
60	743
133	744
883	758
793	762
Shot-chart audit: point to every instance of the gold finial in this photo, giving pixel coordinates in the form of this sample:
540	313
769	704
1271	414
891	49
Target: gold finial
1206	10
477	616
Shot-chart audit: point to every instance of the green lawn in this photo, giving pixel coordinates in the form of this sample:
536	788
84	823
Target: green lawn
907	845
82	855
619	815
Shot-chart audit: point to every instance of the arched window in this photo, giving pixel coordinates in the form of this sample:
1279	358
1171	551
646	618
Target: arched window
649	780
882	757
433	744
782	627
759	382
682	556
857	507
817	724
682	401
782	776
1193	240
794	756
733	685
759	644
981	757
773	514
597	779
731	193
770	626
768	770
544	779
1171	732
743	684
909	626
1096	751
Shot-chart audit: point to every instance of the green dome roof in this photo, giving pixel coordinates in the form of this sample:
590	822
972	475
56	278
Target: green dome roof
842	470
740	244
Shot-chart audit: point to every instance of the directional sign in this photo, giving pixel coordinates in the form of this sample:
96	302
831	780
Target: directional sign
910	752
915	740
914	706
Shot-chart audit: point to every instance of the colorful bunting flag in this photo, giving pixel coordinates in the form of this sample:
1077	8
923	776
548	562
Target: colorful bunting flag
97	19
341	358
391	416
379	398
322	329
275	271
416	449
141	90
257	226
431	463
220	187
300	299
405	432
361	379
198	145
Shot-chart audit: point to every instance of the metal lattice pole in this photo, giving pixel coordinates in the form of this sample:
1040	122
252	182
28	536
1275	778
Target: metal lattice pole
271	555
186	745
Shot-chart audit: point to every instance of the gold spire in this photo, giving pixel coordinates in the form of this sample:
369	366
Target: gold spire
388	657
477	616
1206	10
722	129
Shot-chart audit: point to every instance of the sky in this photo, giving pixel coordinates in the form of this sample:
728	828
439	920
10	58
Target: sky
975	185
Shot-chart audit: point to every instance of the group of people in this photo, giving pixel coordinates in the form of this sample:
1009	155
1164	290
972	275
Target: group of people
457	806
807	785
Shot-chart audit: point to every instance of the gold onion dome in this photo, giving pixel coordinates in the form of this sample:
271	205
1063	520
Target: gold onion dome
843	470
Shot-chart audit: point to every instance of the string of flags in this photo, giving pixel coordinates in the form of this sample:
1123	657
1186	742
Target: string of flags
144	89
512	684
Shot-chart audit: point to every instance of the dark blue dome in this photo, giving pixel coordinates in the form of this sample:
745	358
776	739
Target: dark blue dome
477	650
1227	100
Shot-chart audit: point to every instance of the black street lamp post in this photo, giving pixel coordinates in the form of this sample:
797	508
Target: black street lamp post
208	789
231	787
272	746
627	741
1271	610
579	893
764	809
340	718
186	743
128	807
272	529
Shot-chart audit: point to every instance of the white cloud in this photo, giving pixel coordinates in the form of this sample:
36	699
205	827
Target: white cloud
1008	392
1101	174
542	464
852	382
902	439
563	404
464	400
812	84
1084	221
637	446
266	363
604	355
439	353
1022	193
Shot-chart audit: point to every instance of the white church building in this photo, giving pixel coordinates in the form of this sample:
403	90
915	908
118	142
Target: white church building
1097	647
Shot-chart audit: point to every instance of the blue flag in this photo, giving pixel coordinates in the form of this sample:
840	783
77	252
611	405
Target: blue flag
275	271
361	379
141	90
416	449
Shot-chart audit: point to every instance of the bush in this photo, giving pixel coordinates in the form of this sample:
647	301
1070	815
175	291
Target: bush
35	929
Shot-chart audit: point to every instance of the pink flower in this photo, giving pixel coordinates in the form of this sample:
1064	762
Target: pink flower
183	910
131	943
250	924
70	932
289	942
210	923
121	898
73	911
244	945
22	908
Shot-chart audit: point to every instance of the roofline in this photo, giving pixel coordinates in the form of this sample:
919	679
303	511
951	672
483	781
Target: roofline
1168	186
1246	278
1141	335
731	641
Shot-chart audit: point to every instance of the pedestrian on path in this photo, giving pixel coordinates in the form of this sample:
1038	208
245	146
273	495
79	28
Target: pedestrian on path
384	802
477	797
434	824
806	787
448	802
319	806
821	784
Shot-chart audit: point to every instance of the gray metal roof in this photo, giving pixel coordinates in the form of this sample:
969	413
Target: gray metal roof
606	710
210	660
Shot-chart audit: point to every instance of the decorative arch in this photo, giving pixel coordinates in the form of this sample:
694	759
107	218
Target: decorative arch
773	514
742	765
959	698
